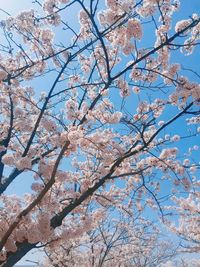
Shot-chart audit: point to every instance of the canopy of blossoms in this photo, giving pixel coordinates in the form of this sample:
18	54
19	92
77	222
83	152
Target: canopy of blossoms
99	116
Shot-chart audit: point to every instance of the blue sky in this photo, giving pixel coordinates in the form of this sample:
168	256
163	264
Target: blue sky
13	6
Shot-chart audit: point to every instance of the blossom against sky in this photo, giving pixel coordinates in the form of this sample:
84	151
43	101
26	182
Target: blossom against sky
16	187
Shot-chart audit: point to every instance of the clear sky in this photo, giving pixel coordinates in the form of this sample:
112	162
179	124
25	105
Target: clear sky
14	6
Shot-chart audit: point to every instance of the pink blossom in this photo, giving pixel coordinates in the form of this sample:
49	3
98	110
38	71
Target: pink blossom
134	29
8	159
180	25
24	163
136	89
3	75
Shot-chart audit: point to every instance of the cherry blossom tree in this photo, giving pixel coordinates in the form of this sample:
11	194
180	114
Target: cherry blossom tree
188	210
114	242
88	111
